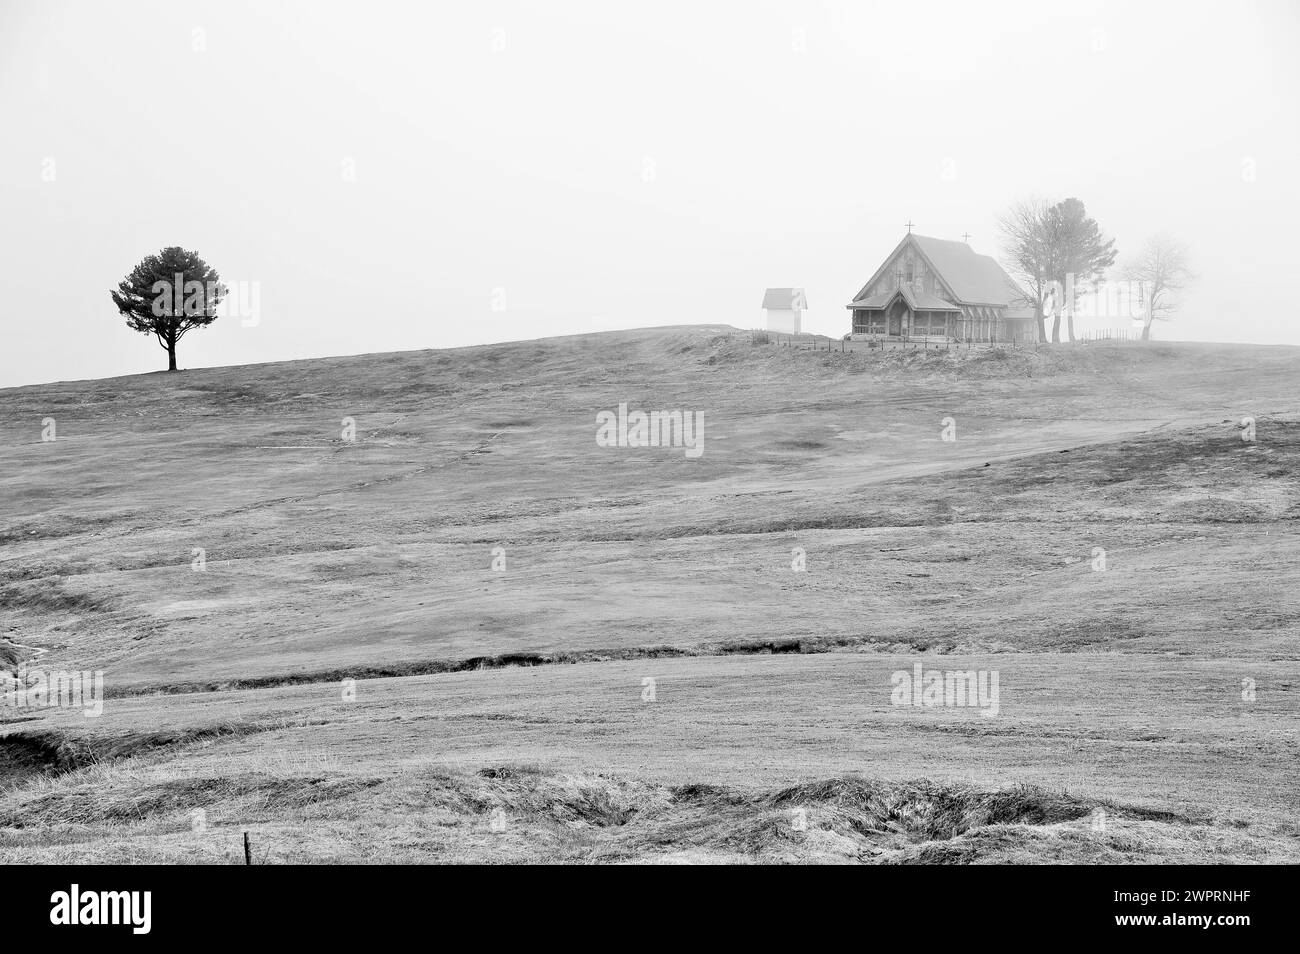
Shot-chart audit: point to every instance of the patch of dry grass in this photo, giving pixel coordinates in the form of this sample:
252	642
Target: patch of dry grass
524	814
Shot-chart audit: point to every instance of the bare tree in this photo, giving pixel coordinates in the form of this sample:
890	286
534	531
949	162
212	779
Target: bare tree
1028	251
1163	269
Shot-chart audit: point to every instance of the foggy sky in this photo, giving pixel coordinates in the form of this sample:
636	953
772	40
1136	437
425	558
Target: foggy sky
397	176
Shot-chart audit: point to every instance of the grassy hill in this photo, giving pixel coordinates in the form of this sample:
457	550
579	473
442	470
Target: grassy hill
329	559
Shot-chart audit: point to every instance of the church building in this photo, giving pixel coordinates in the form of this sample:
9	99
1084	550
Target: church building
929	287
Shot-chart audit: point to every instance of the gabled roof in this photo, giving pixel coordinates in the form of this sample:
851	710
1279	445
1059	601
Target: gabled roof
917	301
925	301
785	298
974	279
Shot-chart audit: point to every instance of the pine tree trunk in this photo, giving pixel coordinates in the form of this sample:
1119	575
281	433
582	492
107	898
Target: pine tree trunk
1069	326
171	356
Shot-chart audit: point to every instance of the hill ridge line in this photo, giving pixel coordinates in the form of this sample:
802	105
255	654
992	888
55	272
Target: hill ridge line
794	646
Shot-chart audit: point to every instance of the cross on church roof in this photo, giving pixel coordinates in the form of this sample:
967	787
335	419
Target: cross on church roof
909	226
966	236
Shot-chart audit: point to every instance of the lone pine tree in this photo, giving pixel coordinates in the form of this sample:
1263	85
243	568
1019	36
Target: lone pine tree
168	295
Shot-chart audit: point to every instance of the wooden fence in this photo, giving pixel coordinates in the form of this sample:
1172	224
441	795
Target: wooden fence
810	342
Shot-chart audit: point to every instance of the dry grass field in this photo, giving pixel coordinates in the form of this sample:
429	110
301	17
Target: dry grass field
349	679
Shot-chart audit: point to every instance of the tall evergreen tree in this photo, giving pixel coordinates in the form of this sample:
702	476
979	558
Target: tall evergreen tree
1081	255
1054	247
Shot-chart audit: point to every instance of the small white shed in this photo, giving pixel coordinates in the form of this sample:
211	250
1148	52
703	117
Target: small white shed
785	308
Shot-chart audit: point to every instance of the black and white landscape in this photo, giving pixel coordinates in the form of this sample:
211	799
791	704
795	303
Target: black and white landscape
599	433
